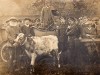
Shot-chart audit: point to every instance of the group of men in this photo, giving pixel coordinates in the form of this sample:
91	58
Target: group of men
69	31
13	28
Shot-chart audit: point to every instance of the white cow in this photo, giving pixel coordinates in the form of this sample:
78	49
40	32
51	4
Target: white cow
42	45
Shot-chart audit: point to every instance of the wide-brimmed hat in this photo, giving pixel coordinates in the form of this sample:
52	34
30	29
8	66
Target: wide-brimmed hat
13	19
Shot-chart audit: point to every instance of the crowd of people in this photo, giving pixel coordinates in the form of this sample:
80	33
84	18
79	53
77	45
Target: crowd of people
70	31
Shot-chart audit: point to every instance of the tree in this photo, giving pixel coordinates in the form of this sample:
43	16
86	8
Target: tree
76	8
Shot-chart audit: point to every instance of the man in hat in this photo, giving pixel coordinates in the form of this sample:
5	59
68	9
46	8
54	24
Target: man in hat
12	31
47	16
90	32
73	33
61	28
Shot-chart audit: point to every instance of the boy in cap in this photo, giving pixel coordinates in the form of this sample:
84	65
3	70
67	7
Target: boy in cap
26	28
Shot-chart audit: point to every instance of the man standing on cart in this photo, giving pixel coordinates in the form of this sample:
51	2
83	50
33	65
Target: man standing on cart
46	17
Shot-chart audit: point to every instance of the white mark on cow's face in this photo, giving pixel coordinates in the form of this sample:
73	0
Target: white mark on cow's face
20	37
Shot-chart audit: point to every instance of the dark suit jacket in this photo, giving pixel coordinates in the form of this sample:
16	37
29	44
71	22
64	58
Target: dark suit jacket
74	31
28	31
91	32
12	32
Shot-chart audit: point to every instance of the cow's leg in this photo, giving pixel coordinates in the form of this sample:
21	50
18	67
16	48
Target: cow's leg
33	58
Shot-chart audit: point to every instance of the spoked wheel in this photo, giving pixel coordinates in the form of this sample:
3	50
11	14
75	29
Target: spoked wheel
5	52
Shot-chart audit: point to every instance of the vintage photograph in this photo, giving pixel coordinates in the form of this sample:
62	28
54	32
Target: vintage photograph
49	37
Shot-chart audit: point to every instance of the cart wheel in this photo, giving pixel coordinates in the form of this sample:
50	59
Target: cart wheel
5	52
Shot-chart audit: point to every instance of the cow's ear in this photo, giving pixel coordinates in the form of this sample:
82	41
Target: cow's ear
16	35
34	42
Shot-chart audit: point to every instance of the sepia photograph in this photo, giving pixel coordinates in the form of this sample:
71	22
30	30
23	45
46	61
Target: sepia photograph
49	37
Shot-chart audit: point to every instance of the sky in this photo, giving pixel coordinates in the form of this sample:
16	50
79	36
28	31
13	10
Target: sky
14	7
22	7
9	7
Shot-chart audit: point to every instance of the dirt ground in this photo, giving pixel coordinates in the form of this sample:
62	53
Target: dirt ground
64	71
3	68
3	71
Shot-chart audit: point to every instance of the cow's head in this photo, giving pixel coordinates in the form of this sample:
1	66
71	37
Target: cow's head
20	39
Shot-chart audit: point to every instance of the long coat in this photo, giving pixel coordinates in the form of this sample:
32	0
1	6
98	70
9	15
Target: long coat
91	46
47	16
76	56
12	31
62	38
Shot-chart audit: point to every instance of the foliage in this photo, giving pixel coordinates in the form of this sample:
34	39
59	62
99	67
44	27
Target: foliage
75	8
